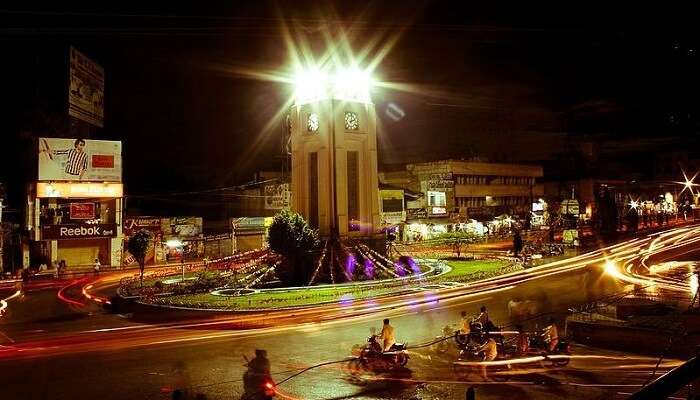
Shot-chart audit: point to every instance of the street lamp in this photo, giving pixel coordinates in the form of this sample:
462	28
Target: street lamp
177	244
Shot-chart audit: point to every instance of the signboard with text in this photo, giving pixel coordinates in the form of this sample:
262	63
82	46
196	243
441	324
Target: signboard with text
82	210
416	213
87	89
277	196
78	231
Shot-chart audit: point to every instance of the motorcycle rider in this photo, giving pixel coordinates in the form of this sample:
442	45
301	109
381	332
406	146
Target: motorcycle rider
551	335
257	374
483	317
388	335
490	351
522	342
464	328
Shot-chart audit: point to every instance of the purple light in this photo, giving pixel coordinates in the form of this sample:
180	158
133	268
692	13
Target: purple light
369	268
414	266
346	299
400	270
350	265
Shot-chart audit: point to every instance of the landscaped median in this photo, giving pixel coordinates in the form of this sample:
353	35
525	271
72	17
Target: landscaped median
436	272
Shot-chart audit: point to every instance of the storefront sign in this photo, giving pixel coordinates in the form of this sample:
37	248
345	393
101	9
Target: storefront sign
416	213
393	218
438	211
131	225
570	207
76	231
79	190
82	210
570	236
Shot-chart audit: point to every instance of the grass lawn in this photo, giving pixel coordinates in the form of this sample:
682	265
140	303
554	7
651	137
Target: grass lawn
467	267
279	298
461	270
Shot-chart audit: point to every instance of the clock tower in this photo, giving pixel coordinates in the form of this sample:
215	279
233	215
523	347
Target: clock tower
334	153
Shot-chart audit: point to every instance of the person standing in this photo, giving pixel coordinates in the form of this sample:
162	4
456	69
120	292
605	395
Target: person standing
517	243
76	158
96	266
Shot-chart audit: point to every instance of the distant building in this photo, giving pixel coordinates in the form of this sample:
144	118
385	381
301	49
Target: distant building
467	189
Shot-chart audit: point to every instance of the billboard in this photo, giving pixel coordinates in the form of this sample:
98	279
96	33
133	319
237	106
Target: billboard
87	89
182	227
80	160
134	224
277	197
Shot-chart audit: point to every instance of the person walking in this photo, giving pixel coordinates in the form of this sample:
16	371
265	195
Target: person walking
96	266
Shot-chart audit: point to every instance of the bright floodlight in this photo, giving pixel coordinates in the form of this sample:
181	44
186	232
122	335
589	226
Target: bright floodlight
310	85
173	243
351	84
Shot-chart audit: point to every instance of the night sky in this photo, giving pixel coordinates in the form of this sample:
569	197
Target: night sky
508	84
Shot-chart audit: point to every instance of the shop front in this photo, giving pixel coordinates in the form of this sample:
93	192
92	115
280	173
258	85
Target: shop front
76	230
74	208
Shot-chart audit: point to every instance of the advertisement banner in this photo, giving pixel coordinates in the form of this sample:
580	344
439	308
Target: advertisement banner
277	196
416	213
182	227
80	160
87	89
82	210
393	218
152	224
78	231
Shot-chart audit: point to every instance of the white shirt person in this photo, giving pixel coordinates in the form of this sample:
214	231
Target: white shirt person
76	159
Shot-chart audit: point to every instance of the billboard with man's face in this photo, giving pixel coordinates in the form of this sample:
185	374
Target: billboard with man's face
80	160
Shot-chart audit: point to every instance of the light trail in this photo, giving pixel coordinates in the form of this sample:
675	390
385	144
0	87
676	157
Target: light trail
260	323
4	302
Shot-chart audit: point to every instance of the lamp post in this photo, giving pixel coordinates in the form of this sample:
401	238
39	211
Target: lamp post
177	244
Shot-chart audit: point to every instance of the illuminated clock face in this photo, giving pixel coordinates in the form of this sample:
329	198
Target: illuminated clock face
312	123
352	123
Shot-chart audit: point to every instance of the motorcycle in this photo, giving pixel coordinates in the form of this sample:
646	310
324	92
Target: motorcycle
477	334
559	356
441	346
257	385
470	358
372	355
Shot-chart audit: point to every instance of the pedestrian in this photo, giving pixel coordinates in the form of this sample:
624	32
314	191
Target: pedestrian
96	266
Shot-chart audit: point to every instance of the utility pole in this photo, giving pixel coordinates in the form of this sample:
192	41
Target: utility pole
2	230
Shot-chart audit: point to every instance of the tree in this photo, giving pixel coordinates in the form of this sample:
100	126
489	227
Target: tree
292	237
138	246
458	240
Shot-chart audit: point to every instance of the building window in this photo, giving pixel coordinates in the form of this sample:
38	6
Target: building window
437	199
353	191
313	189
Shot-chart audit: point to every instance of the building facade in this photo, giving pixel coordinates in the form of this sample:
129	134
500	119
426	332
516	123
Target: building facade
74	208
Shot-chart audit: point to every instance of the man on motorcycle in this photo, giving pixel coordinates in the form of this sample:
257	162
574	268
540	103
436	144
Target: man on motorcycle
490	351
551	335
464	323
522	342
483	317
388	335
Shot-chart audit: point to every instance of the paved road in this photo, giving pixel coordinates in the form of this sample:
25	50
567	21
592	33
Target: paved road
84	353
